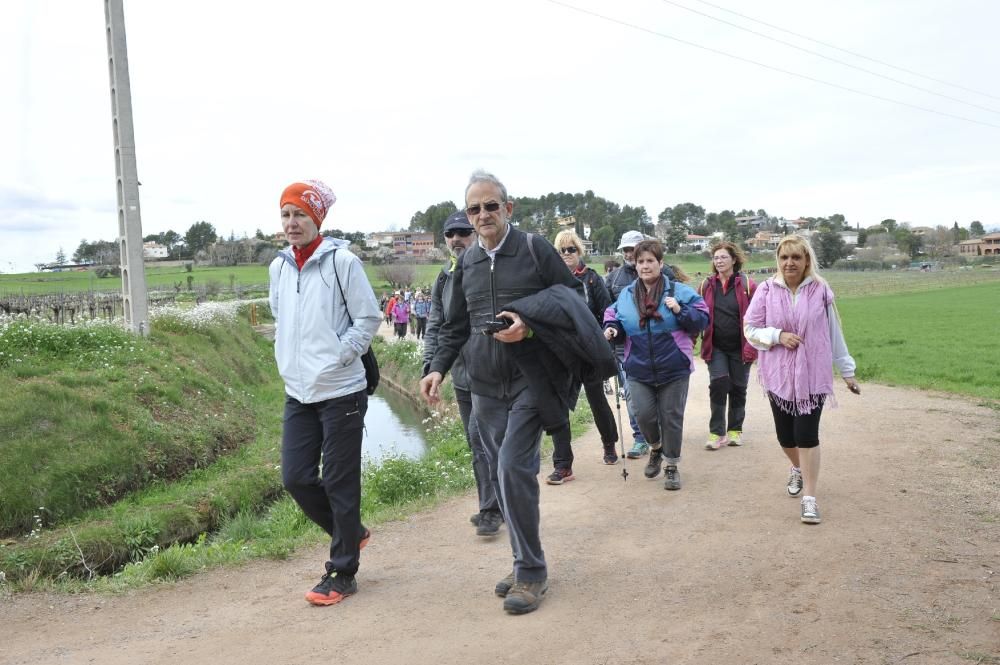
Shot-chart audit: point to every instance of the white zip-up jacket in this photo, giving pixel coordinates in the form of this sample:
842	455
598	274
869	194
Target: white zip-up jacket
317	349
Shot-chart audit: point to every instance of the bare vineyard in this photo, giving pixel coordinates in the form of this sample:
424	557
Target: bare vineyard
72	308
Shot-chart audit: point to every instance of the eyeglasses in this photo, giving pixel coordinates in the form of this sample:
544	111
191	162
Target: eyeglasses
474	210
462	233
568	250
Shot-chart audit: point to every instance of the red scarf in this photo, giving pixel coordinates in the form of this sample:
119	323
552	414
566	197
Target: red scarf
302	255
581	268
647	302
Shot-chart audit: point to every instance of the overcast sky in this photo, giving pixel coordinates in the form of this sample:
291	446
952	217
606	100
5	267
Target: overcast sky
393	104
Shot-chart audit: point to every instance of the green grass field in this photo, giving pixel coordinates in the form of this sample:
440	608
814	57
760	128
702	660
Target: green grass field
247	276
945	339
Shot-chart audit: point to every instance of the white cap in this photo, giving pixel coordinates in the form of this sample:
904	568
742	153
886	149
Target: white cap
631	239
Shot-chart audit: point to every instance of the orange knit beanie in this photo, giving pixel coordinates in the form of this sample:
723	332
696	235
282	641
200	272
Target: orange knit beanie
312	196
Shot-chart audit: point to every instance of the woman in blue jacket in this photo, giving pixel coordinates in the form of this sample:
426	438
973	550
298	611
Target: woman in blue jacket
656	318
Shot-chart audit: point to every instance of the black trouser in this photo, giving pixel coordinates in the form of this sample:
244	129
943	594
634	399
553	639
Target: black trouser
562	448
801	431
332	428
421	326
400	330
728	378
604	418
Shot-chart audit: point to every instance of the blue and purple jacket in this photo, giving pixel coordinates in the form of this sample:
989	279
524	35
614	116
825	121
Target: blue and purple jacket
662	351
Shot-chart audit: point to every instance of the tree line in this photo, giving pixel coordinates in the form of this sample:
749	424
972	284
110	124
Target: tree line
608	220
200	242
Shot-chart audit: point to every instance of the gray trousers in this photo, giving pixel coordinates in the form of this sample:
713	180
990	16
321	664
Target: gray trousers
728	377
480	467
659	411
511	432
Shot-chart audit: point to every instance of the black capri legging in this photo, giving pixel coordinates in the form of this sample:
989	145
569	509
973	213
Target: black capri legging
800	431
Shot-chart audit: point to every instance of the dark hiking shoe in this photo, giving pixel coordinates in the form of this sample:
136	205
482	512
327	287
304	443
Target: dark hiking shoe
655	462
525	597
673	481
475	519
365	537
332	589
504	585
610	456
489	523
560	476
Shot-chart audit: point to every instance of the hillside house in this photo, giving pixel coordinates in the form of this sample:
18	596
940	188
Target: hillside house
154	250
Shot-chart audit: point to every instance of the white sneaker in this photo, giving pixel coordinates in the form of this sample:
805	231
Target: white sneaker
810	513
794	482
715	441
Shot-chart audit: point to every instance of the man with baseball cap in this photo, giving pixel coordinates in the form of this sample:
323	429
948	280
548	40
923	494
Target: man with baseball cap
617	281
458	237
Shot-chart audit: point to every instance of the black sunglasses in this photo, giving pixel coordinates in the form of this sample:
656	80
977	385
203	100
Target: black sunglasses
474	210
568	250
462	233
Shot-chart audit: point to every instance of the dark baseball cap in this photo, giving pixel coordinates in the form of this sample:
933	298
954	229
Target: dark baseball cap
457	220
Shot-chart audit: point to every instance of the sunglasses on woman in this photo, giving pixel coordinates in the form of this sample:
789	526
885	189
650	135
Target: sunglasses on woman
474	210
461	233
568	250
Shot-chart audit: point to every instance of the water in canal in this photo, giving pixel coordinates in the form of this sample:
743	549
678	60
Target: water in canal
393	426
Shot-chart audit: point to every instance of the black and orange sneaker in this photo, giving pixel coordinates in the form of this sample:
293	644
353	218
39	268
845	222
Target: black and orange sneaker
332	589
365	537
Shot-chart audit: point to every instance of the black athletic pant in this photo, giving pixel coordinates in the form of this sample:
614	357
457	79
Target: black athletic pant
332	429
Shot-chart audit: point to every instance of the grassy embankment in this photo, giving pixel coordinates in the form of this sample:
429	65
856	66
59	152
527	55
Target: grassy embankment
132	461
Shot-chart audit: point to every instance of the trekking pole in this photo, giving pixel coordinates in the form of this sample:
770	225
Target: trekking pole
618	408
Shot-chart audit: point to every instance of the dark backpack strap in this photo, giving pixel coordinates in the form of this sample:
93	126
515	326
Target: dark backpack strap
531	250
336	276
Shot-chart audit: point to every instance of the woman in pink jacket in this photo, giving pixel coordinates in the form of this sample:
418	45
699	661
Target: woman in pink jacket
400	317
793	321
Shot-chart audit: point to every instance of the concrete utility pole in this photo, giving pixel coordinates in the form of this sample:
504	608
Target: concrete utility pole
136	305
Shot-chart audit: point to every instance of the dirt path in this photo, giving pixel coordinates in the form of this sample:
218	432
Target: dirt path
902	570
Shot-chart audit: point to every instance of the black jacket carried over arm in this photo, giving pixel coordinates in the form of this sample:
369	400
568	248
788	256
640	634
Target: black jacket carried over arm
572	349
481	287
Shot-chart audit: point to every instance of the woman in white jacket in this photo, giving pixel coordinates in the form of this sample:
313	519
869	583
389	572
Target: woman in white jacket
325	315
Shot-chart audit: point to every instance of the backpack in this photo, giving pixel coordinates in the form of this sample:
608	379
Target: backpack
368	359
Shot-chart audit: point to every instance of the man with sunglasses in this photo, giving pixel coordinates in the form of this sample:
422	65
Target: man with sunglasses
499	269
617	281
458	237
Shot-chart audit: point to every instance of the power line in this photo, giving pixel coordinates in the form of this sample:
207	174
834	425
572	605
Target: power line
826	57
854	53
771	67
